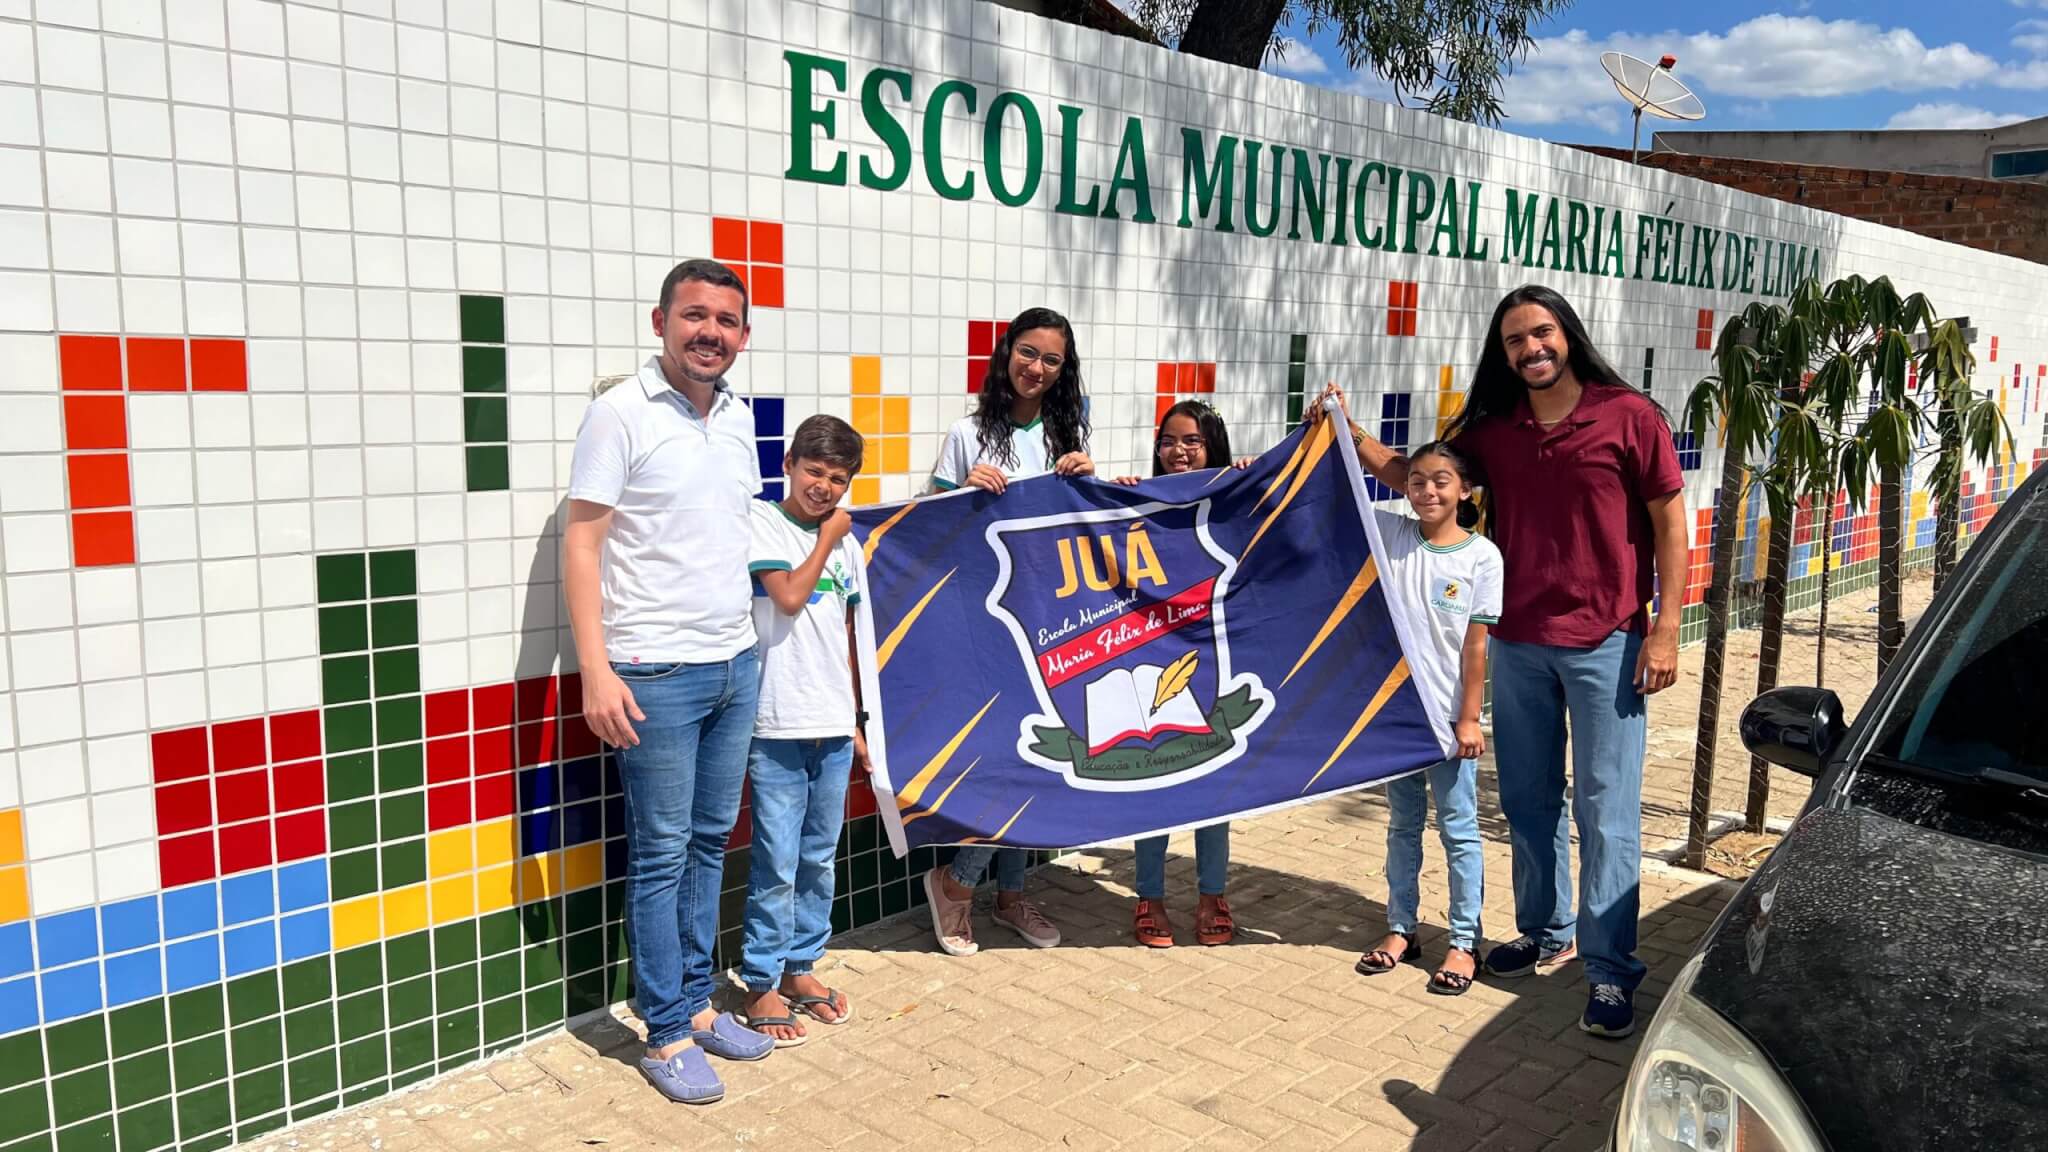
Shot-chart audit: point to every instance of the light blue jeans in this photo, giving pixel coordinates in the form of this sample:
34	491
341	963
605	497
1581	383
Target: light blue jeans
799	804
1212	862
971	863
682	784
1456	786
1536	689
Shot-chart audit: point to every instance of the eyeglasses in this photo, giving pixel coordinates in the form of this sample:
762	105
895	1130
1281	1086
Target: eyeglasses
1046	360
1184	443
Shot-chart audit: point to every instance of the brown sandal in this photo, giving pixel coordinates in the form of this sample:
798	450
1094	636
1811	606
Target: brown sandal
1444	982
1380	960
1213	923
1151	925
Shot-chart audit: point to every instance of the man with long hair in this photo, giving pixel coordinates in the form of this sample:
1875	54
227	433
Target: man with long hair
1585	499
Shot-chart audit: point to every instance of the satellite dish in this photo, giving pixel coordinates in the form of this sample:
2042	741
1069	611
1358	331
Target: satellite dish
1651	88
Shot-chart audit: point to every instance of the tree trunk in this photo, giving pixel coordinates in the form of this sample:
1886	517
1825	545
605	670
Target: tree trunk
1827	540
1233	31
1770	650
1948	494
1727	508
1891	559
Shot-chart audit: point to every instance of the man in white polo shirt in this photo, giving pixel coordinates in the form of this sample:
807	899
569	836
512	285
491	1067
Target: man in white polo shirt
654	568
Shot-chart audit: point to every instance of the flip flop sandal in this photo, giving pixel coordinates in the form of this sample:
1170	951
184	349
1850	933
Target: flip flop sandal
1380	960
1151	926
808	1005
1219	928
1444	982
759	1022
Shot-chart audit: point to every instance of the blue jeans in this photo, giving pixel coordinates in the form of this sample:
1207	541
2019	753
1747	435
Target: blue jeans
1212	862
682	784
1535	689
799	804
971	862
1456	785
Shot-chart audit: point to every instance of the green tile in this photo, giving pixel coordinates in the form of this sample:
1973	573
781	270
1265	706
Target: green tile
483	419
412	1046
80	1096
21	1058
253	997
583	909
498	932
24	1111
358	969
403	815
455	944
404	864
489	467
254	1128
457	1035
867	907
393	573
351	777
344	680
867	871
257	1045
199	1012
360	1015
76	1044
309	1029
307	982
502	1021
317	1108
586	992
348	728
41	1142
407	956
365	1092
583	951
1297	346
396	672
311	1077
410	1000
197	1063
139	1079
344	628
137	1027
341	576
483	369
401	766
362	1061
351	825
622	983
394	623
146	1128
94	1135
201	1112
353	874
259	1094
398	720
483	319
456	988
540	920
499	976
895	898
544	1006
543	964
212	1142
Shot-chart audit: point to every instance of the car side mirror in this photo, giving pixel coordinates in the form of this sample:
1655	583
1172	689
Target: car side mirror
1795	728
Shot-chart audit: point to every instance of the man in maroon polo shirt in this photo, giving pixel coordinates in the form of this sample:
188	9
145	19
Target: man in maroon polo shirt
1585	500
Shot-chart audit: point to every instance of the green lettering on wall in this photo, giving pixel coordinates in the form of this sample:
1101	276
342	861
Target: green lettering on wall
1070	167
935	139
1659	248
1251	190
1749	263
1643	226
1476	246
889	130
1576	220
1206	184
992	149
805	116
1421	203
1343	213
1616	262
1549	253
1447	224
1132	175
1711	238
1731	267
1520	239
1376	237
1308	193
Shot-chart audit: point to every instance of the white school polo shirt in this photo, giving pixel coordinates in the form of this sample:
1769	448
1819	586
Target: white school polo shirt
1445	591
806	680
675	561
962	451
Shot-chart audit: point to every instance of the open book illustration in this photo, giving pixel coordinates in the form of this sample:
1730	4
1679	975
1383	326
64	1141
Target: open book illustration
1140	703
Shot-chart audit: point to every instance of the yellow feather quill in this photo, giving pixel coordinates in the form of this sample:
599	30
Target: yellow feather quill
1174	679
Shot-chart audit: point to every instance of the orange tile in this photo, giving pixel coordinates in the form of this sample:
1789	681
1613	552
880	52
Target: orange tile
767	285
10	837
99	539
1393	321
220	366
867	414
895	415
405	910
1205	377
867	375
497	888
355	922
98	481
764	242
1394	294
156	364
1409	291
1184	378
13	895
867	490
1408	316
495	842
90	363
895	454
540	876
453	899
95	422
728	239
583	866
1164	384
1160	407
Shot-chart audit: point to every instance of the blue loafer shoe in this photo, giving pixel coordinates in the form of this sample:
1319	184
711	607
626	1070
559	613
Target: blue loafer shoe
728	1039
685	1077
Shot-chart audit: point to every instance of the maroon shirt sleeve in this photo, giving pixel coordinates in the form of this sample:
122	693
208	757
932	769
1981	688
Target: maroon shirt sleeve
1652	456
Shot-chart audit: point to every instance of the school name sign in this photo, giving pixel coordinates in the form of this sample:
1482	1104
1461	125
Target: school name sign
1237	184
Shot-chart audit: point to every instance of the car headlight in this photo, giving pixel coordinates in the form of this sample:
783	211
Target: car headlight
1699	1085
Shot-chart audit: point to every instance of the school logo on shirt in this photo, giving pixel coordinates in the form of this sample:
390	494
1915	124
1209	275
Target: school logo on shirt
1448	594
1118	614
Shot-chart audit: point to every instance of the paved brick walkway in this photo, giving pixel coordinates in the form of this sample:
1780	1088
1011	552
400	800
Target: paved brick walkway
1270	1042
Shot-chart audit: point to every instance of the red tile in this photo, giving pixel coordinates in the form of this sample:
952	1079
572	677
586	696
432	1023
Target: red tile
977	372
447	712
99	480
89	363
156	364
570	697
295	735
447	806
238	744
245	846
1205	377
1160	406
183	807
767	285
99	539
981	337
243	795
185	859
1408	315
1393	321
491	752
300	835
447	759
740	270
1162	383
536	743
301	785
536	697
220	366
1393	295
578	740
764	242
1410	293
860	798
495	796
95	422
491	707
177	754
1994	349
728	239
1184	378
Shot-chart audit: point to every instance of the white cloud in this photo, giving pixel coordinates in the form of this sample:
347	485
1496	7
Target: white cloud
1290	57
1951	116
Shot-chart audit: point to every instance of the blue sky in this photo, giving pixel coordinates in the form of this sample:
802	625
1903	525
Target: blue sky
1810	64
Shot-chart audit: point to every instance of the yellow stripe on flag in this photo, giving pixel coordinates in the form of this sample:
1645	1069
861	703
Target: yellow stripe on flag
1360	584
867	550
913	817
913	791
896	634
1000	832
1394	680
1318	445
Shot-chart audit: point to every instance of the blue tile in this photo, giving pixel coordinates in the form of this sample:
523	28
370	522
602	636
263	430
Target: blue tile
582	780
67	937
771	491
18	1005
301	885
304	935
767	415
69	992
615	857
582	823
247	897
539	832
135	976
190	910
770	453
192	964
129	924
539	788
252	947
17	954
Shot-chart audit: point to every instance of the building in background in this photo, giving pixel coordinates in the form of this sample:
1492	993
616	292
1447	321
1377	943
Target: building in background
2010	152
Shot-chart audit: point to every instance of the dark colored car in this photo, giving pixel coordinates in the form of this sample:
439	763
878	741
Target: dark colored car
1882	981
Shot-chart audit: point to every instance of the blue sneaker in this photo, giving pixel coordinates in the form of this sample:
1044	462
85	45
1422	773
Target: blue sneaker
728	1039
1526	955
1610	1012
685	1077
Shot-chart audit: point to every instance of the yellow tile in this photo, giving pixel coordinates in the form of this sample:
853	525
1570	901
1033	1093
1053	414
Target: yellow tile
448	852
895	415
453	900
1763	546
496	843
10	836
13	895
540	876
355	922
583	866
867	489
497	888
867	415
867	376
895	455
405	910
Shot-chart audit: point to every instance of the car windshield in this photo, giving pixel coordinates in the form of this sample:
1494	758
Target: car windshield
1976	703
